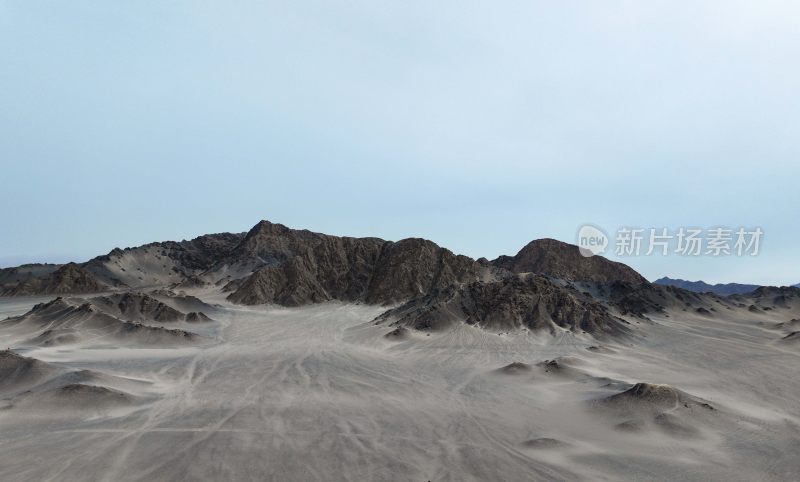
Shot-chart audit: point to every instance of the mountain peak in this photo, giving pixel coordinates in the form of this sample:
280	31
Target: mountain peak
558	259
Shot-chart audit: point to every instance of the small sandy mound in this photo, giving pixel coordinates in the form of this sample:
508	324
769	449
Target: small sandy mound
515	368
562	366
197	316
630	426
788	325
545	443
674	426
399	333
551	366
18	372
649	395
76	397
793	337
600	349
54	338
646	406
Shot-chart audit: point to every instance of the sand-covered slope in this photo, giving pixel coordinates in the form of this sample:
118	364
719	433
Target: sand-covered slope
783	300
723	289
12	276
62	321
163	263
33	391
160	306
19	373
131	306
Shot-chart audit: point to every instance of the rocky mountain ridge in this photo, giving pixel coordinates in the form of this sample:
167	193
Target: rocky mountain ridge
723	289
547	285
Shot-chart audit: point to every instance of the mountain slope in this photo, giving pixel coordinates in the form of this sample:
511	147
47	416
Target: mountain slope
703	287
562	260
302	267
162	263
68	278
533	302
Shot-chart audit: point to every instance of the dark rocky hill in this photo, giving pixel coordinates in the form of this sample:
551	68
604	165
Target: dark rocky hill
564	261
525	301
302	267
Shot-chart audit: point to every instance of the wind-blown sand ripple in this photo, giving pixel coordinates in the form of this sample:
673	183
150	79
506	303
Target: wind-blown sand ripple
320	393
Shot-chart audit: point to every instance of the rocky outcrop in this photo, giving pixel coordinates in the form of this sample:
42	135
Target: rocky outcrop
414	267
302	267
68	278
532	302
564	261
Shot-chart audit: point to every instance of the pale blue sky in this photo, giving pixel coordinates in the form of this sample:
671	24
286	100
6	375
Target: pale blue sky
479	125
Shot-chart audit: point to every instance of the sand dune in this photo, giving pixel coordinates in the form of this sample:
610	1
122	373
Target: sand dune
19	373
61	322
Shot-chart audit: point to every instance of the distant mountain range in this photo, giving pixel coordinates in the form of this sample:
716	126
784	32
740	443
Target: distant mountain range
547	285
430	286
722	289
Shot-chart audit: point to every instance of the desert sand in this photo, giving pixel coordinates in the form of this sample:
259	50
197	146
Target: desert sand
320	392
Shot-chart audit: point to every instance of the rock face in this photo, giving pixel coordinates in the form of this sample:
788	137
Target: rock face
532	302
303	267
68	278
562	260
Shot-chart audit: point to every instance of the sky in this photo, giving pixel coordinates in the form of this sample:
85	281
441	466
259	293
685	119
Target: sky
478	125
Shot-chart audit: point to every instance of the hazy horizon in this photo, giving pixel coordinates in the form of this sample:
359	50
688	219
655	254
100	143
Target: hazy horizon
480	127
